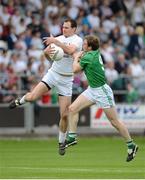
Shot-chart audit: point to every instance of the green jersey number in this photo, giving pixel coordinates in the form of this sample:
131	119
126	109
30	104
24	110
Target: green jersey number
101	62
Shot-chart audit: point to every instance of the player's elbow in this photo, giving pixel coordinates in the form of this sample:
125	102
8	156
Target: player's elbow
76	68
69	52
72	109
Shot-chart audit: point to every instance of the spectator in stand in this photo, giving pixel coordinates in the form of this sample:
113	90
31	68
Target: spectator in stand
36	40
54	27
138	13
9	84
4	56
106	11
115	34
138	75
121	64
109	24
52	8
133	46
28	37
21	26
36	4
136	68
132	94
142	59
12	38
18	65
94	20
4	14
11	7
124	31
110	73
16	17
107	51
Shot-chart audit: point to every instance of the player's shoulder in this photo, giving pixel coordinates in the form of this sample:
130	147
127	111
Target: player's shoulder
60	37
77	36
85	55
94	52
88	54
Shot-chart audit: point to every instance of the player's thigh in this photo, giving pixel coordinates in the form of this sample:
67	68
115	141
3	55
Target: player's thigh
64	86
39	90
111	113
104	97
64	102
80	103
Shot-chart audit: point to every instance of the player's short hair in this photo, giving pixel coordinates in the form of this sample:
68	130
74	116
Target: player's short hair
93	41
72	22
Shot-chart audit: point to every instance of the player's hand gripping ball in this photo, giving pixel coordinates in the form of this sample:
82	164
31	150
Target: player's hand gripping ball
57	54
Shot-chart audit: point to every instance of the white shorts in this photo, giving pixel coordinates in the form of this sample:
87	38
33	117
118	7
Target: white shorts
63	84
102	96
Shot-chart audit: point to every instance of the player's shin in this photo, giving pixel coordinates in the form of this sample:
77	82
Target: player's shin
73	121
72	135
22	100
62	136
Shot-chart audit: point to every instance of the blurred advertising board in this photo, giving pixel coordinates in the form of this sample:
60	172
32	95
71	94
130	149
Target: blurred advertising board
132	115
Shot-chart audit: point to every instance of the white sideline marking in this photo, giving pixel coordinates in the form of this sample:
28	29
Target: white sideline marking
79	169
65	179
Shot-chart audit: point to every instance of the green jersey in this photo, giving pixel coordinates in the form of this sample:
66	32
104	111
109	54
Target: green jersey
93	67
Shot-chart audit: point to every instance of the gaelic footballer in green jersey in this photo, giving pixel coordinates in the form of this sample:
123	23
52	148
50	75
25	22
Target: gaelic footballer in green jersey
98	92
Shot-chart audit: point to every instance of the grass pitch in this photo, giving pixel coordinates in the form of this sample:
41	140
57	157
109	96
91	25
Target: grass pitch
92	158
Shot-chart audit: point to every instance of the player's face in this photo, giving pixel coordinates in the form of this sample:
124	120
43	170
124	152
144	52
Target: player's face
85	45
67	29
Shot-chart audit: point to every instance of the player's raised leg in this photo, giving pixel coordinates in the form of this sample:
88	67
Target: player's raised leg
35	94
80	103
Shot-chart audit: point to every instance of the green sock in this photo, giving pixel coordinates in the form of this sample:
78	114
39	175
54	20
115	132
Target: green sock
71	137
130	144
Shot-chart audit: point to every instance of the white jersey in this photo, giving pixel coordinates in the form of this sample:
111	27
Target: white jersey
64	66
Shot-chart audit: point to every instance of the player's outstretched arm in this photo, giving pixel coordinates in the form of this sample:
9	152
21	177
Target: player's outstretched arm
68	49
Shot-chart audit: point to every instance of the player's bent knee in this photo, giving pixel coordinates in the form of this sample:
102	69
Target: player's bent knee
72	110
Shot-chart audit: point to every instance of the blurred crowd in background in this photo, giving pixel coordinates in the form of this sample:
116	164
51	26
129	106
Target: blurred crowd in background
119	24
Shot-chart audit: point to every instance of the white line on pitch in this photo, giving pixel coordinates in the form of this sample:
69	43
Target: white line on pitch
79	169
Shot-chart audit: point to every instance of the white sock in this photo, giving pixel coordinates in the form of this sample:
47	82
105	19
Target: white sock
62	137
22	100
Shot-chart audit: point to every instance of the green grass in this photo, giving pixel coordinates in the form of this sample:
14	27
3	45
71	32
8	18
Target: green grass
96	158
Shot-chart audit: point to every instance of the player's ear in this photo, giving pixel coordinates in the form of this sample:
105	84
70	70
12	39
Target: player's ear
89	48
74	29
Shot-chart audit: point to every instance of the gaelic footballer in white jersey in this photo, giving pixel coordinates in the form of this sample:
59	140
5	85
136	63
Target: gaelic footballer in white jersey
60	76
